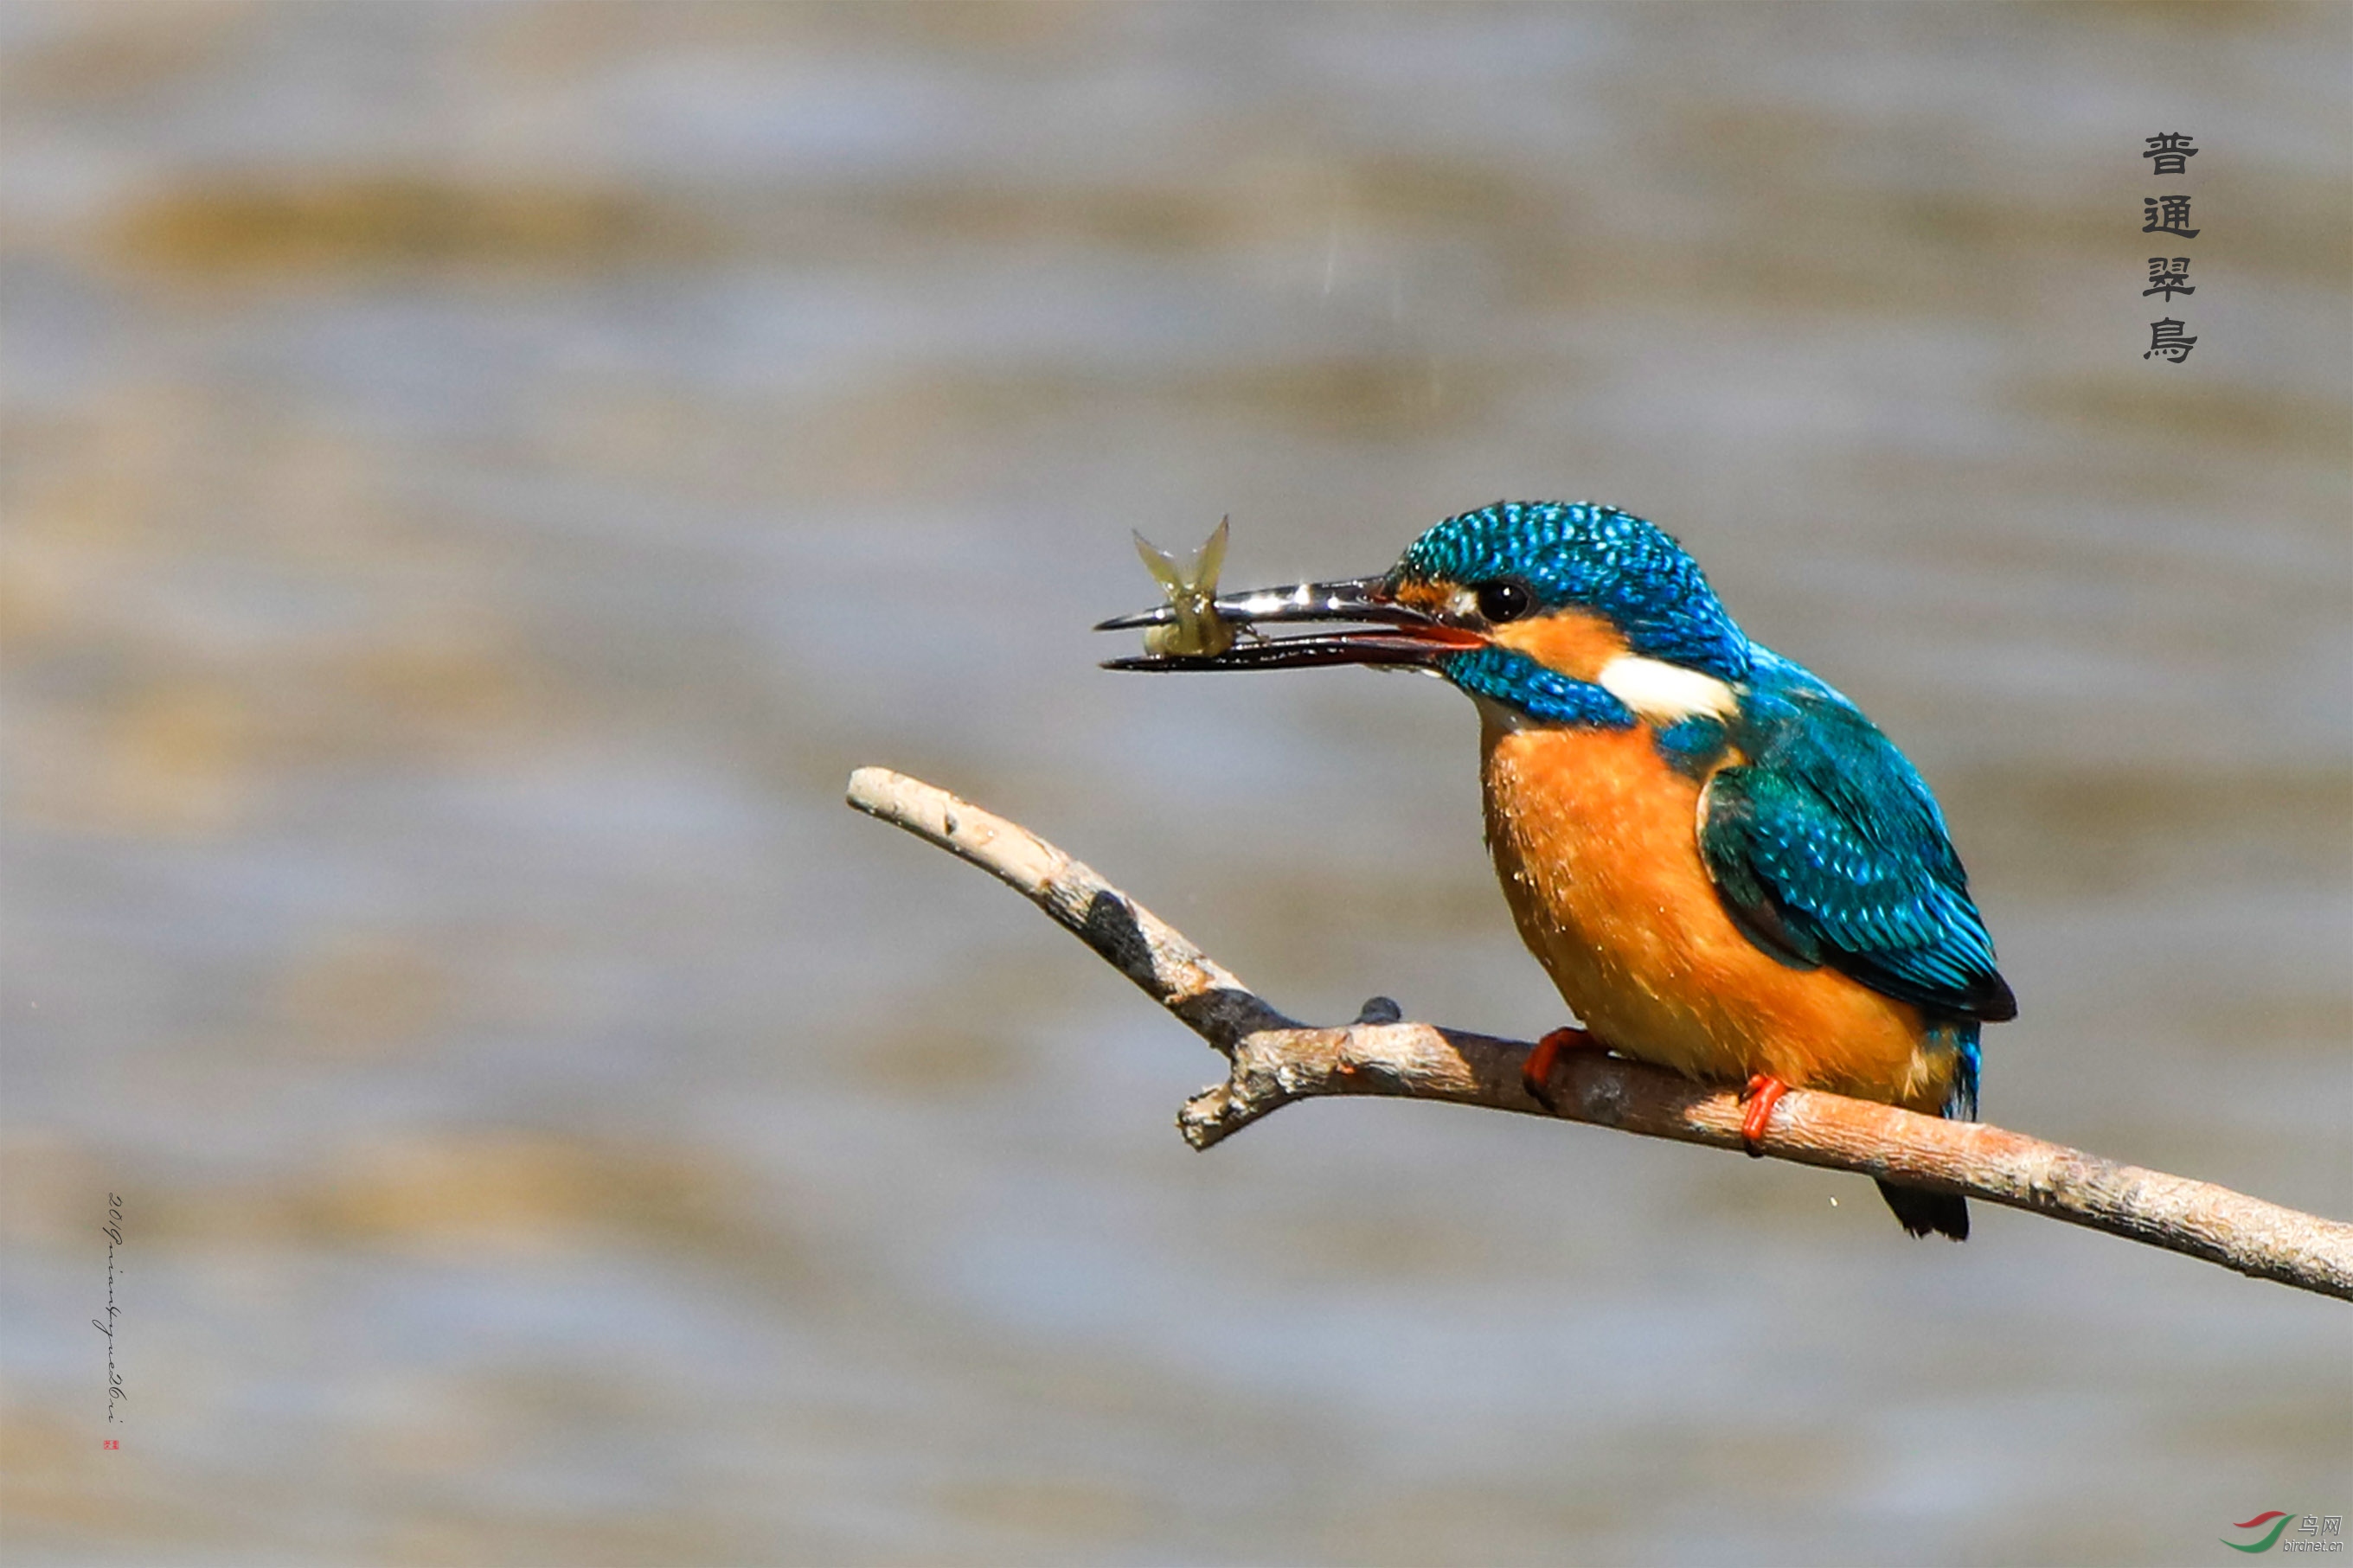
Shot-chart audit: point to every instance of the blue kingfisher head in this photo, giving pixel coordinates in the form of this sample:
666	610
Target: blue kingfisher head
1552	612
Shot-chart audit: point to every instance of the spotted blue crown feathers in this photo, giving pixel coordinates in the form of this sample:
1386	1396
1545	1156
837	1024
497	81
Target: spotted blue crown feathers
1593	557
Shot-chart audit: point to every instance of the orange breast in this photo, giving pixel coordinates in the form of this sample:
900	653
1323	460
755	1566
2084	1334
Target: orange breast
1597	841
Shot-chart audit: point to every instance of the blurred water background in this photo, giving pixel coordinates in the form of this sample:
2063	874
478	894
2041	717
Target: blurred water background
479	477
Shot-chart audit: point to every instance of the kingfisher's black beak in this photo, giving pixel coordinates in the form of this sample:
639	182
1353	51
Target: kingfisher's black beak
1399	634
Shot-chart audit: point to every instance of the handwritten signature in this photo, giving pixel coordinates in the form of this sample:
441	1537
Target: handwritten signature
113	1231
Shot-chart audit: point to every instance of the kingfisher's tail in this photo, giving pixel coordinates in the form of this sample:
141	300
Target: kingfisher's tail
1925	1213
1944	1214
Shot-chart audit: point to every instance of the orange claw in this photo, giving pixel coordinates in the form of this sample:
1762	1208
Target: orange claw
1763	1093
1537	1072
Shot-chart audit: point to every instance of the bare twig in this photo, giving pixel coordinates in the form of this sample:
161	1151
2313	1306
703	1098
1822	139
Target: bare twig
1275	1060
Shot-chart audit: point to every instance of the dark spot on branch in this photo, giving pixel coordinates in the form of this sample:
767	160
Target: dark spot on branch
1224	1015
1111	930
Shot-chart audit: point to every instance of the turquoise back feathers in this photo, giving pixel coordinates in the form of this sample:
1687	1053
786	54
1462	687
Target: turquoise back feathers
1828	849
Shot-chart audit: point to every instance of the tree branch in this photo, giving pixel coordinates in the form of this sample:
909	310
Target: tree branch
1275	1060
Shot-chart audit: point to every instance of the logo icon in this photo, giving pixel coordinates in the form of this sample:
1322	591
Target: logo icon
2273	1517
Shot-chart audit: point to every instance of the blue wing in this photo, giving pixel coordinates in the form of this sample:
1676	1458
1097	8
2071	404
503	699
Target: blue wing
1828	849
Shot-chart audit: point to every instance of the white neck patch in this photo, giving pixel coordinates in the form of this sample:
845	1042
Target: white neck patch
1665	693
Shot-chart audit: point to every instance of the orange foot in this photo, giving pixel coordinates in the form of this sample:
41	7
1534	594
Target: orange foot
1763	1093
1536	1073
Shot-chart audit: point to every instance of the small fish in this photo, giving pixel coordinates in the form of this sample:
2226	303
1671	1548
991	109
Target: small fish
1199	630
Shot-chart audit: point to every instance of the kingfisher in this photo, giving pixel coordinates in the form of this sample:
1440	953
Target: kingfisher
1725	868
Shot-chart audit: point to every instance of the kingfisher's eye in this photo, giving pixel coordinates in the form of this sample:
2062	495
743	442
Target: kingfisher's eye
1503	601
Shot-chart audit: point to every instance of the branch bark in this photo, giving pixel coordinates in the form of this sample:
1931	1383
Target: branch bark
1274	1060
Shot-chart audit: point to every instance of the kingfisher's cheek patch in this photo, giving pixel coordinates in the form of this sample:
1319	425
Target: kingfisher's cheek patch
1575	643
1667	693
